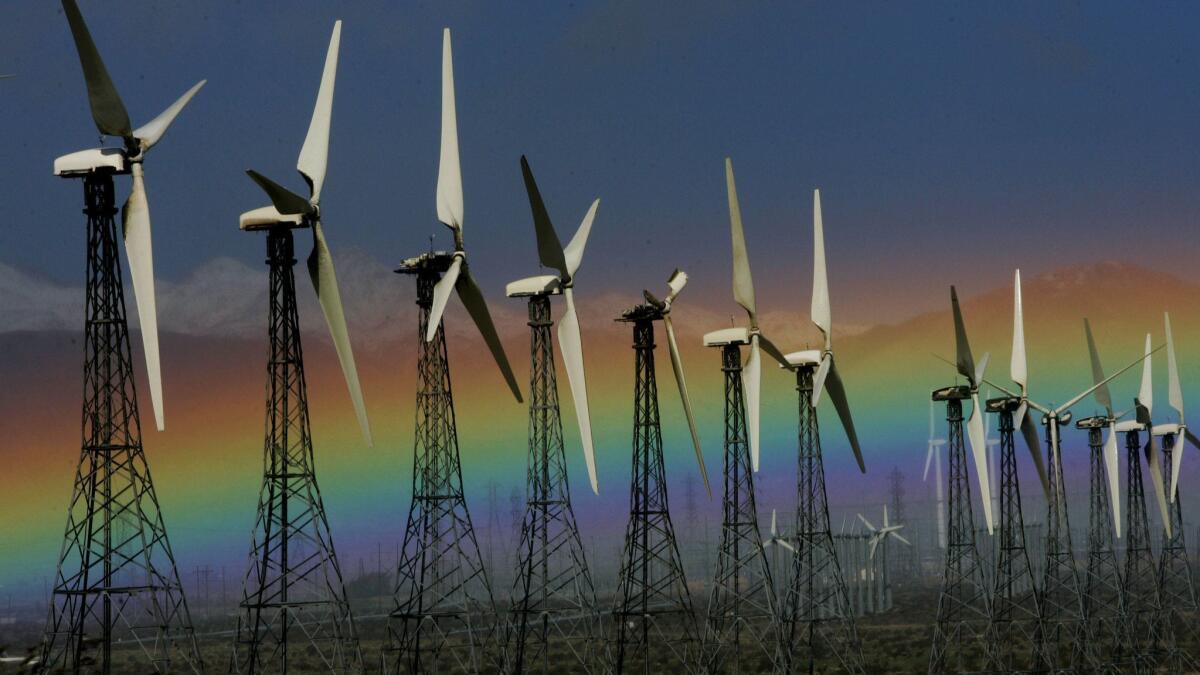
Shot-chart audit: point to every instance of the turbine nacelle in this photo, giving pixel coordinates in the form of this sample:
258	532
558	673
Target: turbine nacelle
805	358
268	217
87	161
546	284
727	336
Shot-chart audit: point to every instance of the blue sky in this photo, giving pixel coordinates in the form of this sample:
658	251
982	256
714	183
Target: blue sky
952	141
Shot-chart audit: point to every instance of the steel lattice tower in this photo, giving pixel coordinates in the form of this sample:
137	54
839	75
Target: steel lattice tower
116	580
904	565
1015	609
1143	604
553	599
818	629
1175	581
964	611
1064	641
655	626
294	605
741	631
444	619
1103	597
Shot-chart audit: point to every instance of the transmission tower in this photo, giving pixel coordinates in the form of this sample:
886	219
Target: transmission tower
904	564
1064	640
655	626
117	581
1103	598
553	599
741	634
1175	581
960	635
293	601
1143	604
1015	609
818	630
444	618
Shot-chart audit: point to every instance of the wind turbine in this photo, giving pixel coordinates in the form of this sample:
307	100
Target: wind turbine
290	210
442	585
115	530
816	371
450	212
934	456
884	532
965	363
777	539
1109	454
111	119
654	618
554	599
1178	429
743	293
1144	406
294	590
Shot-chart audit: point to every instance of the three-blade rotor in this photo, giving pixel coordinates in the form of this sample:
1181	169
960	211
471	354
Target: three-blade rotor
743	293
676	284
450	212
827	378
566	261
966	366
312	164
111	118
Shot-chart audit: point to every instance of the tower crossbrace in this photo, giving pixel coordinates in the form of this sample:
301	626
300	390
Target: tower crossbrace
444	620
117	592
818	630
741	631
294	614
553	599
654	625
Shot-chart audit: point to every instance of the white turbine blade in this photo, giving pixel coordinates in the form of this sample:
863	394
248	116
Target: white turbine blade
928	458
789	547
1146	393
314	155
441	295
320	269
1175	397
677	366
752	383
1156	478
819	378
151	132
867	523
1174	390
676	283
885	516
571	344
743	284
449	183
1112	469
981	368
902	539
874	544
821	315
979	450
774	531
1018	370
139	249
573	253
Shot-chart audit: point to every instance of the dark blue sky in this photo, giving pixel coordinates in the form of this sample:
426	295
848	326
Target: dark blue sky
951	141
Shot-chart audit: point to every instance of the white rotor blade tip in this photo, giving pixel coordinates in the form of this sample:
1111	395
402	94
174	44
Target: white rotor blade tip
152	132
314	155
573	253
449	184
1018	370
821	314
